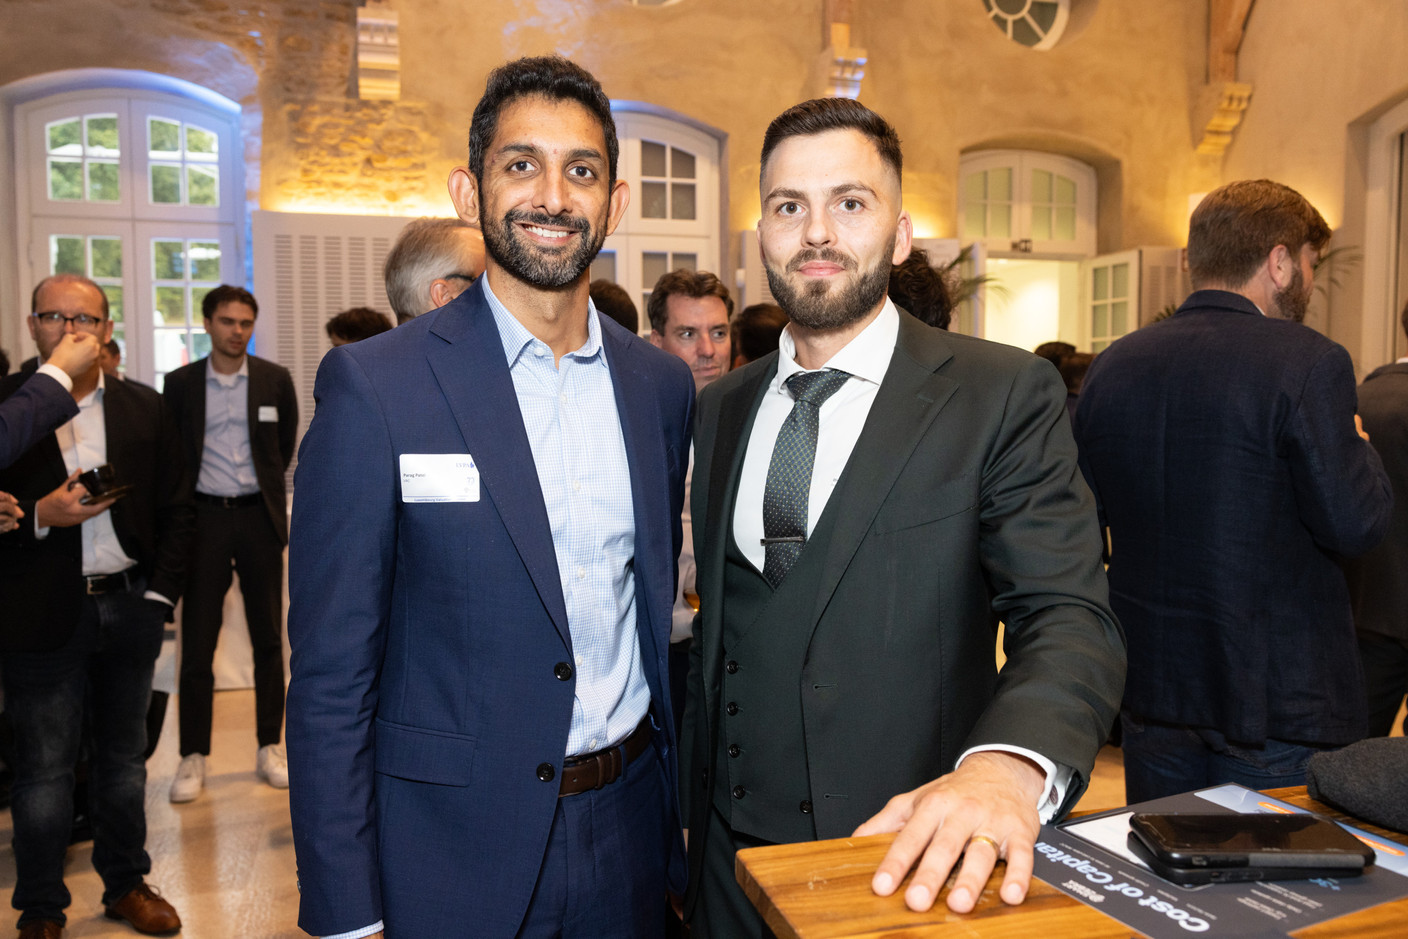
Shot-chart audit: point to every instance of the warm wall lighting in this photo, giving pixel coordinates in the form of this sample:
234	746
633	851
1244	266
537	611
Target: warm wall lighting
408	207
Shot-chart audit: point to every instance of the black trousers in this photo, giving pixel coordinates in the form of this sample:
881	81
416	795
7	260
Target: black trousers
239	539
1385	678
721	909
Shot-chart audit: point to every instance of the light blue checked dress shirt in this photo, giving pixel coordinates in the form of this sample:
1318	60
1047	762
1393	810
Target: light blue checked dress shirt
569	411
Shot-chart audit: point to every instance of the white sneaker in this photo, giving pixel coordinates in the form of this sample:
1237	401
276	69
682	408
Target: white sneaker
190	778
271	765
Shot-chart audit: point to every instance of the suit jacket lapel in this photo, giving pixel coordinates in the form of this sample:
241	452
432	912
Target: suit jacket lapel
737	411
909	399
638	409
253	394
466	355
118	421
195	413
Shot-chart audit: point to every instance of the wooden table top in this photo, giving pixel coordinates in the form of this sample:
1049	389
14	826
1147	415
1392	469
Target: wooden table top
821	890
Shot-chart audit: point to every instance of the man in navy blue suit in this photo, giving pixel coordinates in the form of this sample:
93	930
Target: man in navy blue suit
482	568
1224	451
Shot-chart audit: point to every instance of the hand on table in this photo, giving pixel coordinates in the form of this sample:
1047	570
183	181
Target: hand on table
10	513
985	810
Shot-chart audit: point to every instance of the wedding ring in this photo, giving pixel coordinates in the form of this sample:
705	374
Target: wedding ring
996	848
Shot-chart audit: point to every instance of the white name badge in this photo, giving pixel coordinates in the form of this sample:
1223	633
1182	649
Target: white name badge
268	414
439	477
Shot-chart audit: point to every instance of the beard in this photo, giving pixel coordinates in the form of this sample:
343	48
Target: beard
814	306
1292	301
545	267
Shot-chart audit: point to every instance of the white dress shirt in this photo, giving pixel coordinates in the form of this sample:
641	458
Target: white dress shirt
83	441
842	417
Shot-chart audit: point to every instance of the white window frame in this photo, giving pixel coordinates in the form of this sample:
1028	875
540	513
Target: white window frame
1097	342
27	106
703	236
1022	163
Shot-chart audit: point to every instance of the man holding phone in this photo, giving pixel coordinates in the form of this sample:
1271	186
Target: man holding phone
89	588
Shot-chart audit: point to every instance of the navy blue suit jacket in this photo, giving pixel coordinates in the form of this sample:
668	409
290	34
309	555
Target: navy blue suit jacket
36	407
1221	448
423	698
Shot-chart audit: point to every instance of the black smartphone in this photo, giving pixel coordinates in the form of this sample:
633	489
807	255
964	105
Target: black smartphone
1231	848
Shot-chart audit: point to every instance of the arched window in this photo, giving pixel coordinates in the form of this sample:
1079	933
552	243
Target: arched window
1027	202
141	189
674	217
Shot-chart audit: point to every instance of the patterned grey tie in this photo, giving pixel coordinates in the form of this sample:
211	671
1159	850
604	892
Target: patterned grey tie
790	473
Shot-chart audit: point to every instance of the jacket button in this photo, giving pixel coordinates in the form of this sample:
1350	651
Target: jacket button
546	772
731	667
563	671
731	708
806	807
739	792
734	749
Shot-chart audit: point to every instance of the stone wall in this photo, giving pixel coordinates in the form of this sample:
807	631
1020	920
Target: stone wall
1118	95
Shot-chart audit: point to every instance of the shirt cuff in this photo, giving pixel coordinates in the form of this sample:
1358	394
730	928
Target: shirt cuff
153	595
57	374
1058	777
359	933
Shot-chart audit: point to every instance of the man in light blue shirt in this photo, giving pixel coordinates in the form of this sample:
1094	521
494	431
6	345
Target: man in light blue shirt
238	416
482	570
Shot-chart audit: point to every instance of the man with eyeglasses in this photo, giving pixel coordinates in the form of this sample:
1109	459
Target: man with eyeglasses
238	417
89	588
432	262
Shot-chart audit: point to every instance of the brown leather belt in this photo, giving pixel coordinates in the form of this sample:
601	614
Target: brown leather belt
594	770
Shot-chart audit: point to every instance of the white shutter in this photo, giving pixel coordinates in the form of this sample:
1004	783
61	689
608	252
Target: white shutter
1162	282
307	269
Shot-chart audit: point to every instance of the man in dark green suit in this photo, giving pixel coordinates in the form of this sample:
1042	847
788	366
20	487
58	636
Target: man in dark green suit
852	575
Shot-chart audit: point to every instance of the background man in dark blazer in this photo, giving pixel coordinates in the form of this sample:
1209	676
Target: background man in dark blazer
1378	581
238	417
944	497
87	591
1221	445
482	570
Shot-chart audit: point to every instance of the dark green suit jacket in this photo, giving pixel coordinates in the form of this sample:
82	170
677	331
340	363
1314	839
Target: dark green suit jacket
961	505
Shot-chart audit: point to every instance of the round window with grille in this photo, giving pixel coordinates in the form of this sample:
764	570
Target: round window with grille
1036	24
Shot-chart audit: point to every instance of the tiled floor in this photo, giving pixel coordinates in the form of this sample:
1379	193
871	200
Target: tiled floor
226	860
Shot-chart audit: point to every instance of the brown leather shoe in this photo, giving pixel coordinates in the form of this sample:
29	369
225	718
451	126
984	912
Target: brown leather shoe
41	929
145	911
